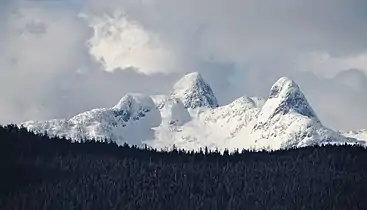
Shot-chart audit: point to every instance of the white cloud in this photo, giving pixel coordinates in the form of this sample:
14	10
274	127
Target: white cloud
120	44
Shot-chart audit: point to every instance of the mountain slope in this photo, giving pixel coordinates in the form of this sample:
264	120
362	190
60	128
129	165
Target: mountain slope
360	135
190	118
123	122
213	128
288	120
194	92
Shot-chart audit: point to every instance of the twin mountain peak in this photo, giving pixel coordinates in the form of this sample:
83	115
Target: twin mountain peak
190	117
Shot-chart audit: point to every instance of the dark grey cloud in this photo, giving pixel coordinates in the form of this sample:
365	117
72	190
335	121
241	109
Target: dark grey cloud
340	100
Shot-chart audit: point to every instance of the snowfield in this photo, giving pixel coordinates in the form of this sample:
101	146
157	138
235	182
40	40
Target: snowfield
190	118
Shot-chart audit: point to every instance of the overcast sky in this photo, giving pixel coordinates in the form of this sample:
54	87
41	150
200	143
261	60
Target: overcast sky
61	57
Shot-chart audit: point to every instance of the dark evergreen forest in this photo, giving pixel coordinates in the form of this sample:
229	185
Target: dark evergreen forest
39	172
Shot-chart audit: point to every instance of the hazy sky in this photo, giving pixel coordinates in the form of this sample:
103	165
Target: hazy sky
60	57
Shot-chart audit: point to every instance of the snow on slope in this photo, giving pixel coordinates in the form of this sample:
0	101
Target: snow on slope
234	116
194	92
360	135
211	127
125	121
259	101
172	110
288	120
190	118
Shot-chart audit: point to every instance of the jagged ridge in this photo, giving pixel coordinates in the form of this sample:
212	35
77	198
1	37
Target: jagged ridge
284	120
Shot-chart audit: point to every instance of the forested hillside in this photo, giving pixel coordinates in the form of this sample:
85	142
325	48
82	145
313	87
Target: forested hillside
39	172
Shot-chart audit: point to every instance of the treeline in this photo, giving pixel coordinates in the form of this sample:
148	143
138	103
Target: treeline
42	172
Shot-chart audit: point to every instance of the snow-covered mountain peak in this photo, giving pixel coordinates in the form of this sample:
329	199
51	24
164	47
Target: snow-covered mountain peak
123	122
190	118
288	120
282	87
194	92
130	100
134	106
285	97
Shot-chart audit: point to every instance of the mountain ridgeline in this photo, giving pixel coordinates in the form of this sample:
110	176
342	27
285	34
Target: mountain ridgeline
43	172
190	117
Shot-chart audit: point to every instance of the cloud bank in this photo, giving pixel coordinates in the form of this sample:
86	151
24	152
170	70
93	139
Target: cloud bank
60	57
